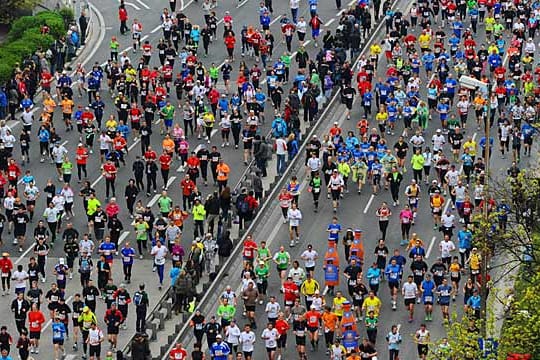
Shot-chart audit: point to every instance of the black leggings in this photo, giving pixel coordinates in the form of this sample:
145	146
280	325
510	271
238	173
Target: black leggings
85	334
142	244
127	270
383	225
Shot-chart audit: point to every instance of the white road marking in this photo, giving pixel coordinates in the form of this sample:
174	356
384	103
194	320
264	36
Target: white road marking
170	181
329	22
123	236
134	144
156	29
276	19
133	5
186	5
97	180
306	43
430	246
23	255
143	4
242	3
369	203
154	200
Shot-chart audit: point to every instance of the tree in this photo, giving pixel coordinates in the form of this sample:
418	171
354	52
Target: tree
522	326
461	341
11	9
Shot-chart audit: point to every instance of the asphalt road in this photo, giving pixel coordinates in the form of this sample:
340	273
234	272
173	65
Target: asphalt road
148	13
358	211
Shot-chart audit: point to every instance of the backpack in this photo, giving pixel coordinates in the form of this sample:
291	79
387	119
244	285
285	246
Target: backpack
242	205
137	298
85	266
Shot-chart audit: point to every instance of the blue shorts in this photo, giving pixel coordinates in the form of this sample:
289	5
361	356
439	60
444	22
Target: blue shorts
315	32
168	122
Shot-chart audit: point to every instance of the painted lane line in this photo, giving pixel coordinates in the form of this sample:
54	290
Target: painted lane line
430	246
23	255
329	22
369	203
97	180
276	19
143	4
123	236
242	3
154	200
156	29
170	181
134	144
133	5
187	4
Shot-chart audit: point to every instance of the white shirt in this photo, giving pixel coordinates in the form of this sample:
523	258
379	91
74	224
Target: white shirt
409	290
58	153
20	279
51	214
86	245
159	254
452	177
270	337
309	257
448	220
94	336
232	335
314	163
68	195
247	339
294	216
446	247
281	146
272	310
438	142
294	4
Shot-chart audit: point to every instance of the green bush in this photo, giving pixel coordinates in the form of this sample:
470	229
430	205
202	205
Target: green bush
53	20
39	41
25	38
67	15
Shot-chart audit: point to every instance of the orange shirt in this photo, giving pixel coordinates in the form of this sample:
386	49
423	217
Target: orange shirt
223	171
67	106
168	145
329	320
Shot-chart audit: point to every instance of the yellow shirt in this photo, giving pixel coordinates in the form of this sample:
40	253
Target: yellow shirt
471	145
338	305
424	40
131	74
309	287
375	49
489	21
67	106
381	117
49	105
370	304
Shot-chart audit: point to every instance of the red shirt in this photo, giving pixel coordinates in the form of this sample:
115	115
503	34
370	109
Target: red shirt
290	290
178	354
110	171
35	319
187	186
282	326
165	161
119	143
122	14
193	161
249	249
6	265
82	156
46	79
230	41
13	172
150	154
312	318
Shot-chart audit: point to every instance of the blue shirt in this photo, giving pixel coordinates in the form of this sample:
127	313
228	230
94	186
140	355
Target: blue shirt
464	239
220	351
127	255
107	249
334	230
392	272
474	302
58	330
444	292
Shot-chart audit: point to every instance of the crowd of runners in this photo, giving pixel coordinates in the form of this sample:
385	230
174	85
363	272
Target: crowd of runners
407	86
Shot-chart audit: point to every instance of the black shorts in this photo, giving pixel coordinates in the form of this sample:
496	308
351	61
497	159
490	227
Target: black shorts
528	140
393	285
112	330
269	350
335	194
58	165
95	350
312	329
409	301
310	268
247	354
301	340
58	342
30	203
35	335
75	322
282	341
422	349
250	308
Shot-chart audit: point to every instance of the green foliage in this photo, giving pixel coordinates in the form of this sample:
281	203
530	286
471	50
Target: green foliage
67	15
25	38
10	9
522	326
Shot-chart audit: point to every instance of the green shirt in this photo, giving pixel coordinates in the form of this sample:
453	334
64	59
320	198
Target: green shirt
140	230
198	212
67	167
286	59
371	323
262	273
263	253
165	204
168	112
417	162
282	259
214	72
226	311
